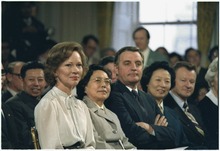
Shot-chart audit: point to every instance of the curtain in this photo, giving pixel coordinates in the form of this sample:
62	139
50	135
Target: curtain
207	12
125	20
104	23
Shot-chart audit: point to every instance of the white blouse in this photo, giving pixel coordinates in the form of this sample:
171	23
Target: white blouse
63	120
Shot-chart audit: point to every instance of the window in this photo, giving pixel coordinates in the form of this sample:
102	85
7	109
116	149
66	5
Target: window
172	24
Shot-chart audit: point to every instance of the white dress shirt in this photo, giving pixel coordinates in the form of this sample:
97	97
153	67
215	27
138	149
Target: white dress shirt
212	97
63	120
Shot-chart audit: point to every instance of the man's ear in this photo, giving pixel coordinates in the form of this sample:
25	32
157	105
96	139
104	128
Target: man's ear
9	77
116	69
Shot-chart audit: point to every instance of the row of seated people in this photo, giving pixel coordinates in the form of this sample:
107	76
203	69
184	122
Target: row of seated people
113	116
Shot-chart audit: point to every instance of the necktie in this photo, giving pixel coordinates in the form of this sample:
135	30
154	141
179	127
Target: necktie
135	93
160	107
192	118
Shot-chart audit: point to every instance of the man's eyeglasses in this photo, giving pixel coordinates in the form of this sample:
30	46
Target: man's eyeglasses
99	80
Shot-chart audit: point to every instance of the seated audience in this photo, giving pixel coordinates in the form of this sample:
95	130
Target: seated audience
90	44
157	80
14	82
108	52
163	51
177	99
213	53
209	106
94	89
193	56
138	113
63	121
23	104
109	65
174	58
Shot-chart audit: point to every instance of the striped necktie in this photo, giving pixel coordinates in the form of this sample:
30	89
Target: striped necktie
192	118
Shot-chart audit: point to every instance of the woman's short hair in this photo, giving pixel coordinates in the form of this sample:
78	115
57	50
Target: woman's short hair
83	83
57	55
148	72
212	70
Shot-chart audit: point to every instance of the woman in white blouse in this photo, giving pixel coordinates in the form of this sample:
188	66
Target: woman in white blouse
63	121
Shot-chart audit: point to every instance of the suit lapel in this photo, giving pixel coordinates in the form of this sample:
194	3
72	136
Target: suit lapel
95	109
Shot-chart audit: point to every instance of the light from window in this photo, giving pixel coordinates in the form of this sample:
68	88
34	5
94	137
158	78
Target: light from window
170	25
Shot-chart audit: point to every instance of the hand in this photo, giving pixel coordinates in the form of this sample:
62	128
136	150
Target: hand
160	121
145	126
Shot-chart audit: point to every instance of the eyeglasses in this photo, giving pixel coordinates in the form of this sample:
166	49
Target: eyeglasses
99	80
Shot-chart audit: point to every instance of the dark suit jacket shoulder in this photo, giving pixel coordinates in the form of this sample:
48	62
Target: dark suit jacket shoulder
209	112
6	95
23	106
122	103
189	129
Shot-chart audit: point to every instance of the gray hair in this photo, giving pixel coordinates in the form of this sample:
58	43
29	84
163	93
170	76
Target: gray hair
212	70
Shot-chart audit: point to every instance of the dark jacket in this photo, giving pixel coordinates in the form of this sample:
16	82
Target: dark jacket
23	106
189	128
9	129
209	112
122	102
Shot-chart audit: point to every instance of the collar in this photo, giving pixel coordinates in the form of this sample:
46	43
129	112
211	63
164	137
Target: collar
212	97
12	91
130	89
146	53
178	100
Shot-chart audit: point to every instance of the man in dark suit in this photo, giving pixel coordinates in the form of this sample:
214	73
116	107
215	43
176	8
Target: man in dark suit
23	104
14	82
141	37
138	113
177	100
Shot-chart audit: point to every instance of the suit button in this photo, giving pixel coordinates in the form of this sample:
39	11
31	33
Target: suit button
114	131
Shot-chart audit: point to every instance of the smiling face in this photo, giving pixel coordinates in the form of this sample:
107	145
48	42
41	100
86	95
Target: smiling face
69	73
34	82
184	82
98	87
129	68
159	84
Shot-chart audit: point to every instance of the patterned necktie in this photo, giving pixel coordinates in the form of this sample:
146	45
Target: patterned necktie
160	107
192	118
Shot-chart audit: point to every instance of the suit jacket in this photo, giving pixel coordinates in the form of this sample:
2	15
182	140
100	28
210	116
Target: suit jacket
209	112
23	106
191	132
174	122
122	102
6	95
108	128
9	129
155	56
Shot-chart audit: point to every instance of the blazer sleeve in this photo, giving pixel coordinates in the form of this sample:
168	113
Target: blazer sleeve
137	135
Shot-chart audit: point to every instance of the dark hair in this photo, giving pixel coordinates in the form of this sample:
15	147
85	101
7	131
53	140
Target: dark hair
174	54
87	38
57	55
142	28
211	52
184	64
83	83
148	72
128	48
104	61
30	65
191	49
